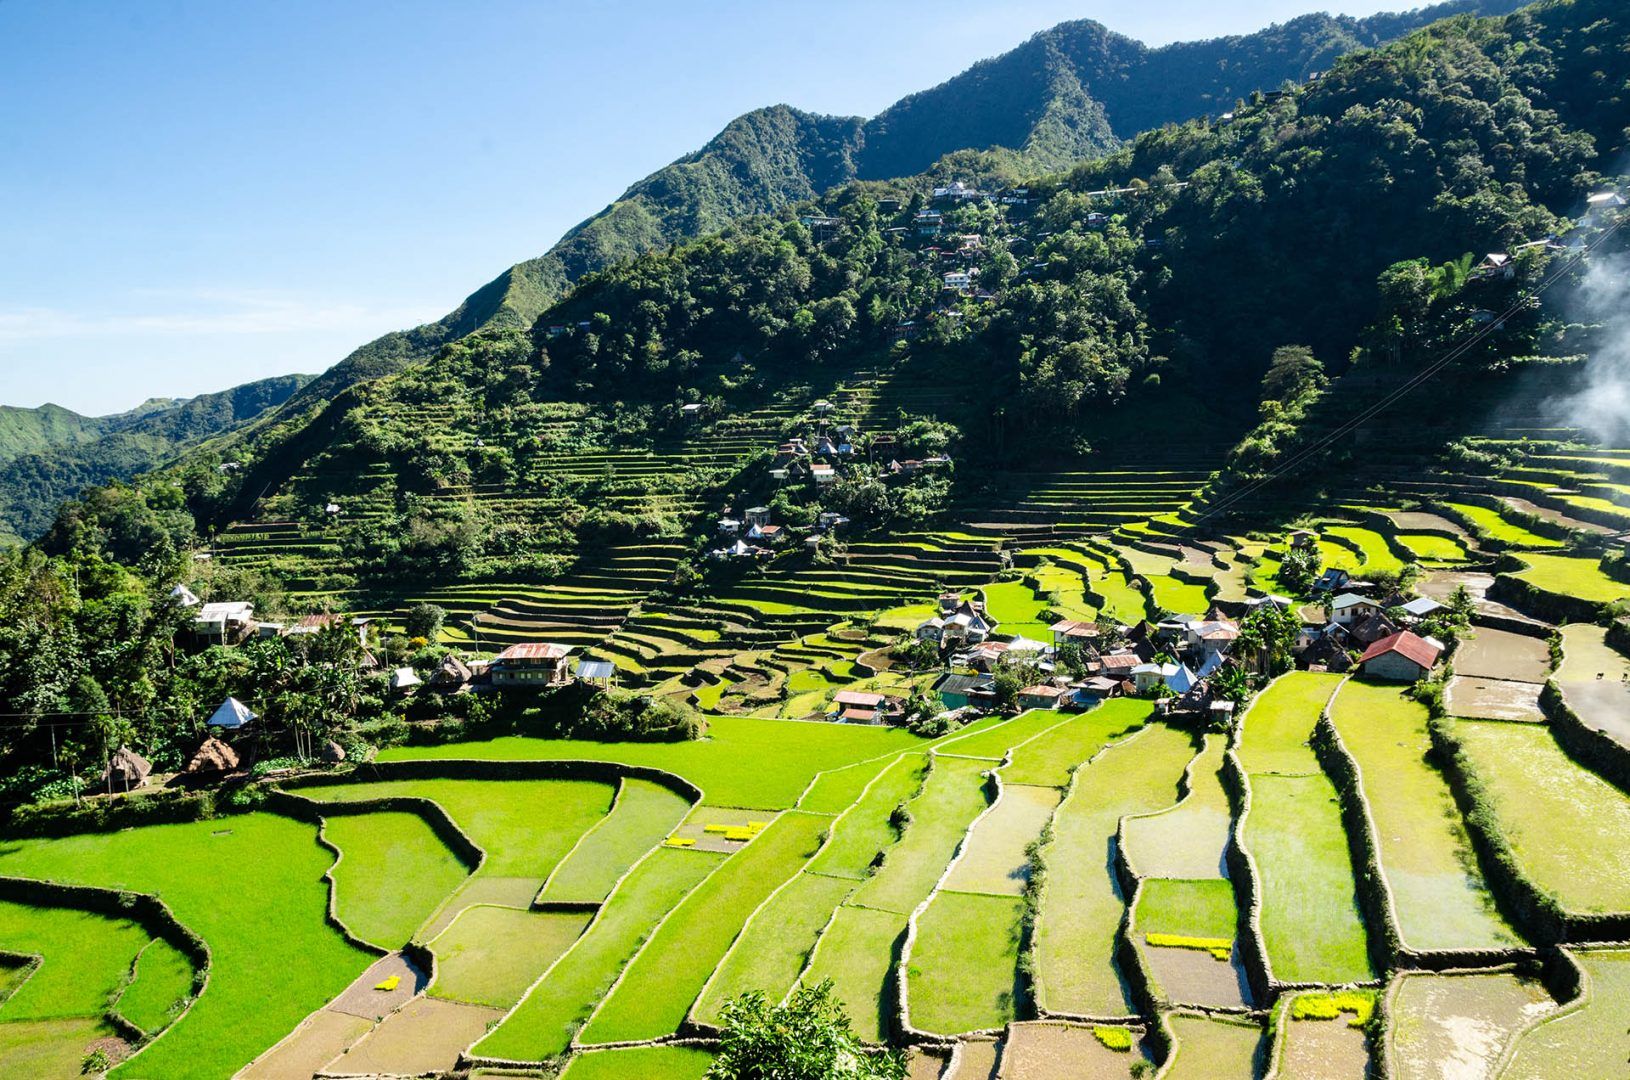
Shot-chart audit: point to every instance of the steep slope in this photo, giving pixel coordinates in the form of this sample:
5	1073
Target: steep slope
27	431
1068	93
103	449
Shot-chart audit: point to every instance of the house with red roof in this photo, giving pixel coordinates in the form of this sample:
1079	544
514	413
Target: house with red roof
1400	657
532	665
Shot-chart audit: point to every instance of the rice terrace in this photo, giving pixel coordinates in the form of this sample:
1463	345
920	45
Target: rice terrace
1115	567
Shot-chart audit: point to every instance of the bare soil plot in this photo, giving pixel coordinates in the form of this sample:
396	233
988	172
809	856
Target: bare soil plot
1213	1048
1557	516
924	1064
1493	699
856	952
1081	906
976	1060
491	955
994	860
1421	521
1500	654
426	1036
953	795
1186	841
1569	828
1588	1038
363	998
1324	1050
1455	1027
1195	977
320	1038
698	821
1039	1050
950	995
1441	584
1595	679
1438	891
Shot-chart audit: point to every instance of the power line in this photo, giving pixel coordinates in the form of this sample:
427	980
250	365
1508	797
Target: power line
1407	388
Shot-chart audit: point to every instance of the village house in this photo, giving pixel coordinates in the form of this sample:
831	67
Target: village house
1303	538
1402	657
1074	632
768	534
532	666
184	597
859	707
126	771
1600	204
741	549
693	411
821	229
1332	579
231	715
1044	696
1372	628
404	680
1495	265
729	526
823	473
1118	665
962	691
601	673
1147	677
958	281
758	515
1350	608
224	623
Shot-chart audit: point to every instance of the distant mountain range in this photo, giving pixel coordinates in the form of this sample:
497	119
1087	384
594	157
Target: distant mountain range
1069	93
50	453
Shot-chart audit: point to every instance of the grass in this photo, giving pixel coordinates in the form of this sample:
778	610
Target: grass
1569	828
785	756
1438	891
1571	575
642	816
1186	841
775	946
952	797
1183	597
525	826
274	957
867	829
1080	906
491	955
948	993
1048	759
1310	920
995	742
640	1063
87	958
1015	607
1280	721
393	873
1212	1046
1489	523
1195	908
1376	555
48	1048
1432	548
162	984
541	1027
1591	1040
996	857
668	974
856	952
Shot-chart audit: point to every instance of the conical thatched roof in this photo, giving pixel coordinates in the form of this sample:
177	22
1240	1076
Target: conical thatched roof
452	674
214	756
126	769
332	752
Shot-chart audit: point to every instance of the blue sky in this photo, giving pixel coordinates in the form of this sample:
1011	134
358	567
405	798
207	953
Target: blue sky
196	194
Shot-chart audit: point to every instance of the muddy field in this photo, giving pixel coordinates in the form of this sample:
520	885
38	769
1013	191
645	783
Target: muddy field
1493	699
426	1036
975	1061
1421	521
695	826
1195	977
1500	654
1454	1027
995	861
1324	1050
1595	679
1049	1051
1525	507
321	1038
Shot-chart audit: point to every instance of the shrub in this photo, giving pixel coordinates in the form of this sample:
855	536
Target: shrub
1118	1039
1328	1006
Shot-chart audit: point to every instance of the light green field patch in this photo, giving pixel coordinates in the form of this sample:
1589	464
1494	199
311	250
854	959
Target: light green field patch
86	960
663	981
1280	722
995	858
1438	892
775	946
857	952
491	955
867	829
542	1026
1188	840
392	874
1489	523
1192	908
1571	575
1081	907
1589	1038
950	995
1050	757
163	983
640	1063
644	814
1209	1047
953	795
1569	828
1432	548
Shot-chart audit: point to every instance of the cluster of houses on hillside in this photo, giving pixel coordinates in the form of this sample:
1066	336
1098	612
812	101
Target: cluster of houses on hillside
1502	265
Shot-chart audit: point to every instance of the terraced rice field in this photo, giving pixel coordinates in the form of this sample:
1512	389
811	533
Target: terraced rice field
1438	892
1588	1037
1448	1026
1571	575
1310	919
1569	828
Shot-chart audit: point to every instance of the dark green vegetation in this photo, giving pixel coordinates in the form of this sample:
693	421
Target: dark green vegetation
50	454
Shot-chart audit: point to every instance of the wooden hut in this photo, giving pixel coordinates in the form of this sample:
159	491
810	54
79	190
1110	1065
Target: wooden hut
126	770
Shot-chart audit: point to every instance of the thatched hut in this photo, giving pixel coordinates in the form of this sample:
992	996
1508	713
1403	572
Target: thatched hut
126	770
212	758
332	753
453	674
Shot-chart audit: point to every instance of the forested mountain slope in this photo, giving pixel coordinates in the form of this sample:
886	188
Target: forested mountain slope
1069	93
60	453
